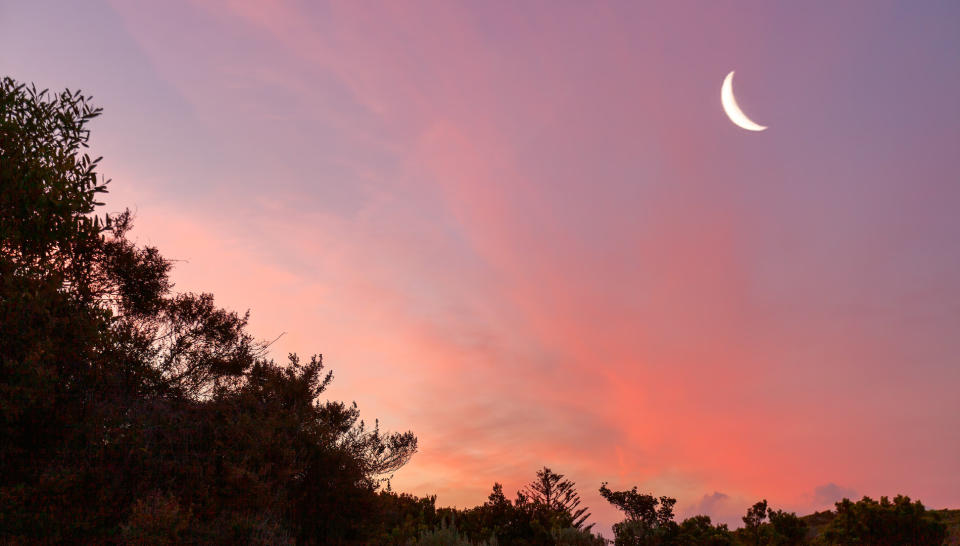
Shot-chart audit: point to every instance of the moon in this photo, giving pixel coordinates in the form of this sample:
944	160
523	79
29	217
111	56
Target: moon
733	111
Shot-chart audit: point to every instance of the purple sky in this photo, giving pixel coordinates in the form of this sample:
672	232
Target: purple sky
528	232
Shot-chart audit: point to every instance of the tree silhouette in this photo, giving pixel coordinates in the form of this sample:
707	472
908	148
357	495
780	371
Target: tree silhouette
787	528
884	523
649	520
699	530
558	495
123	404
753	521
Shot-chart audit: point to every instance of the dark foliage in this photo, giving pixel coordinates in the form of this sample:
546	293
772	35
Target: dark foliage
884	523
699	530
544	512
764	525
650	522
649	519
753	529
131	413
787	529
557	496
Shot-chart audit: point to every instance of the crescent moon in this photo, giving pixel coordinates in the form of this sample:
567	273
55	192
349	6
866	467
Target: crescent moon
731	108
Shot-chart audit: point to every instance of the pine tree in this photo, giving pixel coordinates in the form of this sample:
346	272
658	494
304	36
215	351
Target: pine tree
559	496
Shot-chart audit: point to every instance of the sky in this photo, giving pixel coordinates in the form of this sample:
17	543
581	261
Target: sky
527	231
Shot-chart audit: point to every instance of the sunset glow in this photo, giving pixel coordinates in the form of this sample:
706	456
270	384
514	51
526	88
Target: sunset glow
529	233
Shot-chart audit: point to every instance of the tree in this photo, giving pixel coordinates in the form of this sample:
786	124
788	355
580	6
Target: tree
700	531
649	520
753	522
539	515
787	528
56	347
497	516
123	404
559	496
884	523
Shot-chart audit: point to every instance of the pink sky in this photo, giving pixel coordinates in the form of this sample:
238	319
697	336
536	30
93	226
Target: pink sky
528	232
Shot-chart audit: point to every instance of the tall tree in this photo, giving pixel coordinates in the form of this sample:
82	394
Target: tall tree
123	404
649	519
558	495
753	522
